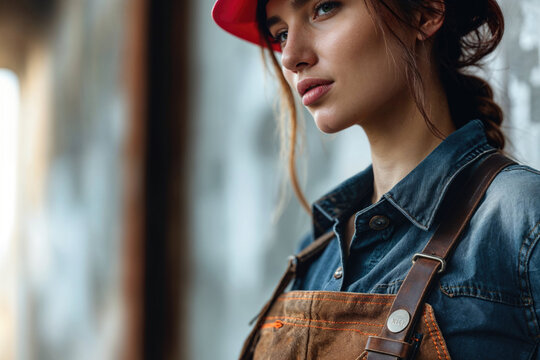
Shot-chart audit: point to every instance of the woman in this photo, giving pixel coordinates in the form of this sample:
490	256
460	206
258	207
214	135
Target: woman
397	68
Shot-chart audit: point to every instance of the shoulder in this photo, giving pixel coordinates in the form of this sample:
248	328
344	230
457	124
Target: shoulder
516	182
516	191
511	208
509	214
513	199
498	258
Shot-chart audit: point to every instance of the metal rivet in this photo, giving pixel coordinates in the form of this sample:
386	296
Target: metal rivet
379	222
398	321
339	273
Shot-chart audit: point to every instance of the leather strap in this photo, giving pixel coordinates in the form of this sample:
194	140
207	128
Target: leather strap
295	262
394	348
415	287
386	347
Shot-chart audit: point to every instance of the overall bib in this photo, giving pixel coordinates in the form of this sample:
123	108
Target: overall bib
353	326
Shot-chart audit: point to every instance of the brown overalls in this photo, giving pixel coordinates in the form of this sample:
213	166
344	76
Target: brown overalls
351	326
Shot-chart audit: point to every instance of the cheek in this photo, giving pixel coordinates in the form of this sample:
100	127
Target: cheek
289	76
369	68
358	58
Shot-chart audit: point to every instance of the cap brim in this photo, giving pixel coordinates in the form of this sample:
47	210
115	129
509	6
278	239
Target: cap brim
238	17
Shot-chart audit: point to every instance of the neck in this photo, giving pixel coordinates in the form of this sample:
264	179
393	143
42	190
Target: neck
400	139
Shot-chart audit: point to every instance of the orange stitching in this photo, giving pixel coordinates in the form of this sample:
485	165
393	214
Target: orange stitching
276	325
438	333
430	333
336	300
325	321
319	327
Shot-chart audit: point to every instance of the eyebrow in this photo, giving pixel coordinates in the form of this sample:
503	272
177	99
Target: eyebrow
296	4
272	21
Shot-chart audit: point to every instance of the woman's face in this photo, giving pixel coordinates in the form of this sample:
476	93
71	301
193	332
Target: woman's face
335	56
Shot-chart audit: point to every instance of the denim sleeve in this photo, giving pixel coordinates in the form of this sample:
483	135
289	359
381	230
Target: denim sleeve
531	254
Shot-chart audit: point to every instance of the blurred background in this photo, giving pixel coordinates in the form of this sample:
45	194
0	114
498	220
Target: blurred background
140	181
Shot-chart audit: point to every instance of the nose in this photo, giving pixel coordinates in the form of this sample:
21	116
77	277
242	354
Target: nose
298	52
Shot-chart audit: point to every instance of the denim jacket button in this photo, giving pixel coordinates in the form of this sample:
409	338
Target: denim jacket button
339	273
379	222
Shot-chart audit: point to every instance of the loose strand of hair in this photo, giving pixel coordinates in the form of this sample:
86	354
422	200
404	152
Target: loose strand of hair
287	102
290	106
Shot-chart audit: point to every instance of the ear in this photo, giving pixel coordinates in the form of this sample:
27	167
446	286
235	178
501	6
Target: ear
429	22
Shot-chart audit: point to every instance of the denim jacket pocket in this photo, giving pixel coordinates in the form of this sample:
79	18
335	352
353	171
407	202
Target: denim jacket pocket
480	290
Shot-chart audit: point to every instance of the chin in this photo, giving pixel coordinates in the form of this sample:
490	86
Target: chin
329	125
324	126
324	121
326	129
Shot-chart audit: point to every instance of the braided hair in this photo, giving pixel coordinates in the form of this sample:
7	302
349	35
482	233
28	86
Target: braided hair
471	30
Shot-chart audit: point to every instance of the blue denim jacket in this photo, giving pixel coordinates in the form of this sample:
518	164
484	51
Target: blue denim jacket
487	303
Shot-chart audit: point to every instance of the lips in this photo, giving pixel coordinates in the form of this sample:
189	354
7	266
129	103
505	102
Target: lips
313	89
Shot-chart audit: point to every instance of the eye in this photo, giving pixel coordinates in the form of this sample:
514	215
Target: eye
280	37
325	8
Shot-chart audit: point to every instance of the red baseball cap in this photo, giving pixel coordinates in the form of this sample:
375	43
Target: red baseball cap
238	17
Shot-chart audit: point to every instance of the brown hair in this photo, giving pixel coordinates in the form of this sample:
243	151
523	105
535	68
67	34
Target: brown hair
471	30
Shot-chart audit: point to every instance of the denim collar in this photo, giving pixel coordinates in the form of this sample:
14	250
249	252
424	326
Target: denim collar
433	176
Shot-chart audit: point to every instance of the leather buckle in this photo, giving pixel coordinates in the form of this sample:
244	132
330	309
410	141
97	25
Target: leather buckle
431	257
293	262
